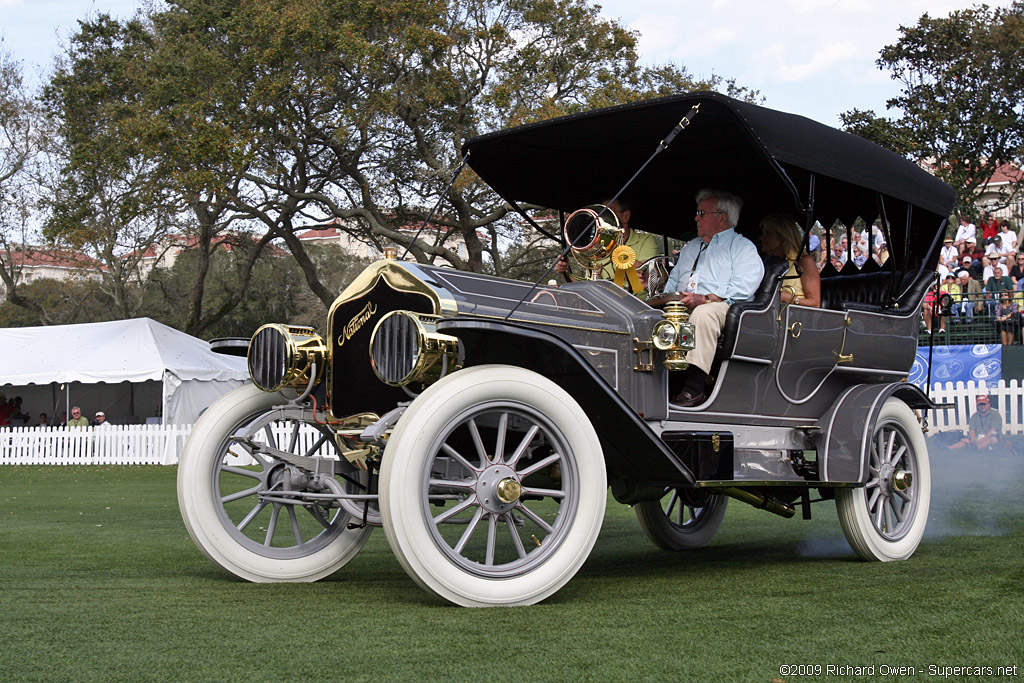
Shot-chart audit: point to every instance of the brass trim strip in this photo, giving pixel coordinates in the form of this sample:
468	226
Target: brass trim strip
550	324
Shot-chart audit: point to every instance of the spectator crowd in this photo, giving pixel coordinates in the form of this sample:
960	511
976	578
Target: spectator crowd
981	275
980	272
12	414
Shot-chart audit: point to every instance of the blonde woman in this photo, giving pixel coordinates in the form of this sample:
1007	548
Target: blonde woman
782	237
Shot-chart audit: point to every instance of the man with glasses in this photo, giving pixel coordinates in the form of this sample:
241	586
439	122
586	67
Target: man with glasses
77	419
712	272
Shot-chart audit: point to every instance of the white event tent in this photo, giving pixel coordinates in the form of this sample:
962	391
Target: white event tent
133	370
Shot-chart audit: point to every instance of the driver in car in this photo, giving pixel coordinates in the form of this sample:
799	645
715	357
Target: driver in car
713	272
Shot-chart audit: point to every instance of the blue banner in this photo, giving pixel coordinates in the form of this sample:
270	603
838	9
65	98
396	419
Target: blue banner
966	363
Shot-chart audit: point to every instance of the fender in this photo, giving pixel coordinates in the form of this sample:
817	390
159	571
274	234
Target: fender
847	426
630	445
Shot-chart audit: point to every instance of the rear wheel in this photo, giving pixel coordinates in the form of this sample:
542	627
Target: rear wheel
885	519
493	487
683	519
268	516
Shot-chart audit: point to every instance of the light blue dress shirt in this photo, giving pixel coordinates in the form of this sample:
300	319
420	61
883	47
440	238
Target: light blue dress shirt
729	267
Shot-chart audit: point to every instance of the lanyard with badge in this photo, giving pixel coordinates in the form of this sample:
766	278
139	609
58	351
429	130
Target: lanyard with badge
694	279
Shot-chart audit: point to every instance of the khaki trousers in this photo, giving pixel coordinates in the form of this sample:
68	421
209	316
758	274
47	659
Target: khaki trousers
708	320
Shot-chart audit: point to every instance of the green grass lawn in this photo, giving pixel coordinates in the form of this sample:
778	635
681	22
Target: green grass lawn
100	581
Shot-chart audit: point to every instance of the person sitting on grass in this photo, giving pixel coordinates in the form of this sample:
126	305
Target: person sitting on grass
984	429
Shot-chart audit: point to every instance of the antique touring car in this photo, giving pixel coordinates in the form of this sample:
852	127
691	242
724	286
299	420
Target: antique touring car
481	421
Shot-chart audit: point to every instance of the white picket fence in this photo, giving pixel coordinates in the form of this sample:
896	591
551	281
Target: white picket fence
1007	399
162	444
110	445
132	444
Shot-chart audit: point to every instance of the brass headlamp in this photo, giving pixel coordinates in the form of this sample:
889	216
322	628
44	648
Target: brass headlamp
406	347
674	335
283	356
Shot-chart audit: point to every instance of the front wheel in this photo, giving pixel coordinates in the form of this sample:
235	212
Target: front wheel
267	516
493	487
885	519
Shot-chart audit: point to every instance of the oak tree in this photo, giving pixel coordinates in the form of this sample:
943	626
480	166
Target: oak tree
961	102
268	115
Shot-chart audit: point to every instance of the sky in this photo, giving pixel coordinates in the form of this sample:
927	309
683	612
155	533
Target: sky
809	57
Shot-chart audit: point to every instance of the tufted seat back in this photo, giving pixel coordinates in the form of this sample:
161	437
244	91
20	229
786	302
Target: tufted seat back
873	291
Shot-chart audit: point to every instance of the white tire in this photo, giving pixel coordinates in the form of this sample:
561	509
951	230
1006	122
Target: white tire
493	487
678	522
885	519
239	515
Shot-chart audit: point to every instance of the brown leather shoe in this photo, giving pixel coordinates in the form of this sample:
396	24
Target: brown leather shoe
686	399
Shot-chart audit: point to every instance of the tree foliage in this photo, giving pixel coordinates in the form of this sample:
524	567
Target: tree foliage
962	96
880	130
213	117
21	136
276	291
61	302
126	184
269	297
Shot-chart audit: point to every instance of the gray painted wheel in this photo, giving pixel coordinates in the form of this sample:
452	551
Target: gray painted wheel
680	521
274	520
885	519
493	487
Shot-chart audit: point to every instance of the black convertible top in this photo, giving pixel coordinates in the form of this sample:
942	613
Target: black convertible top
775	161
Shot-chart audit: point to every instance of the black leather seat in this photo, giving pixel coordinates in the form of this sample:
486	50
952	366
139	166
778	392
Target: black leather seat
874	291
774	269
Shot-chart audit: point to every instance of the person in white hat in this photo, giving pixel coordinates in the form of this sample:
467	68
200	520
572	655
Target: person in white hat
949	256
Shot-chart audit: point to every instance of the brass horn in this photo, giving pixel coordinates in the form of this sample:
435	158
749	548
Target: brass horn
593	232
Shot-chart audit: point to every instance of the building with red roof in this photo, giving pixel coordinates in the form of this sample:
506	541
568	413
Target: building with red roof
34	263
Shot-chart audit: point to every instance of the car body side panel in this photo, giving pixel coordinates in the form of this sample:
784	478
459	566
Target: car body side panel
811	344
632	449
799	377
758	337
846	428
880	342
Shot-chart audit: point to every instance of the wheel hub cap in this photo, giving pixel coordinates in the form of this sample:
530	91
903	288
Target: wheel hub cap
509	490
902	480
498	489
